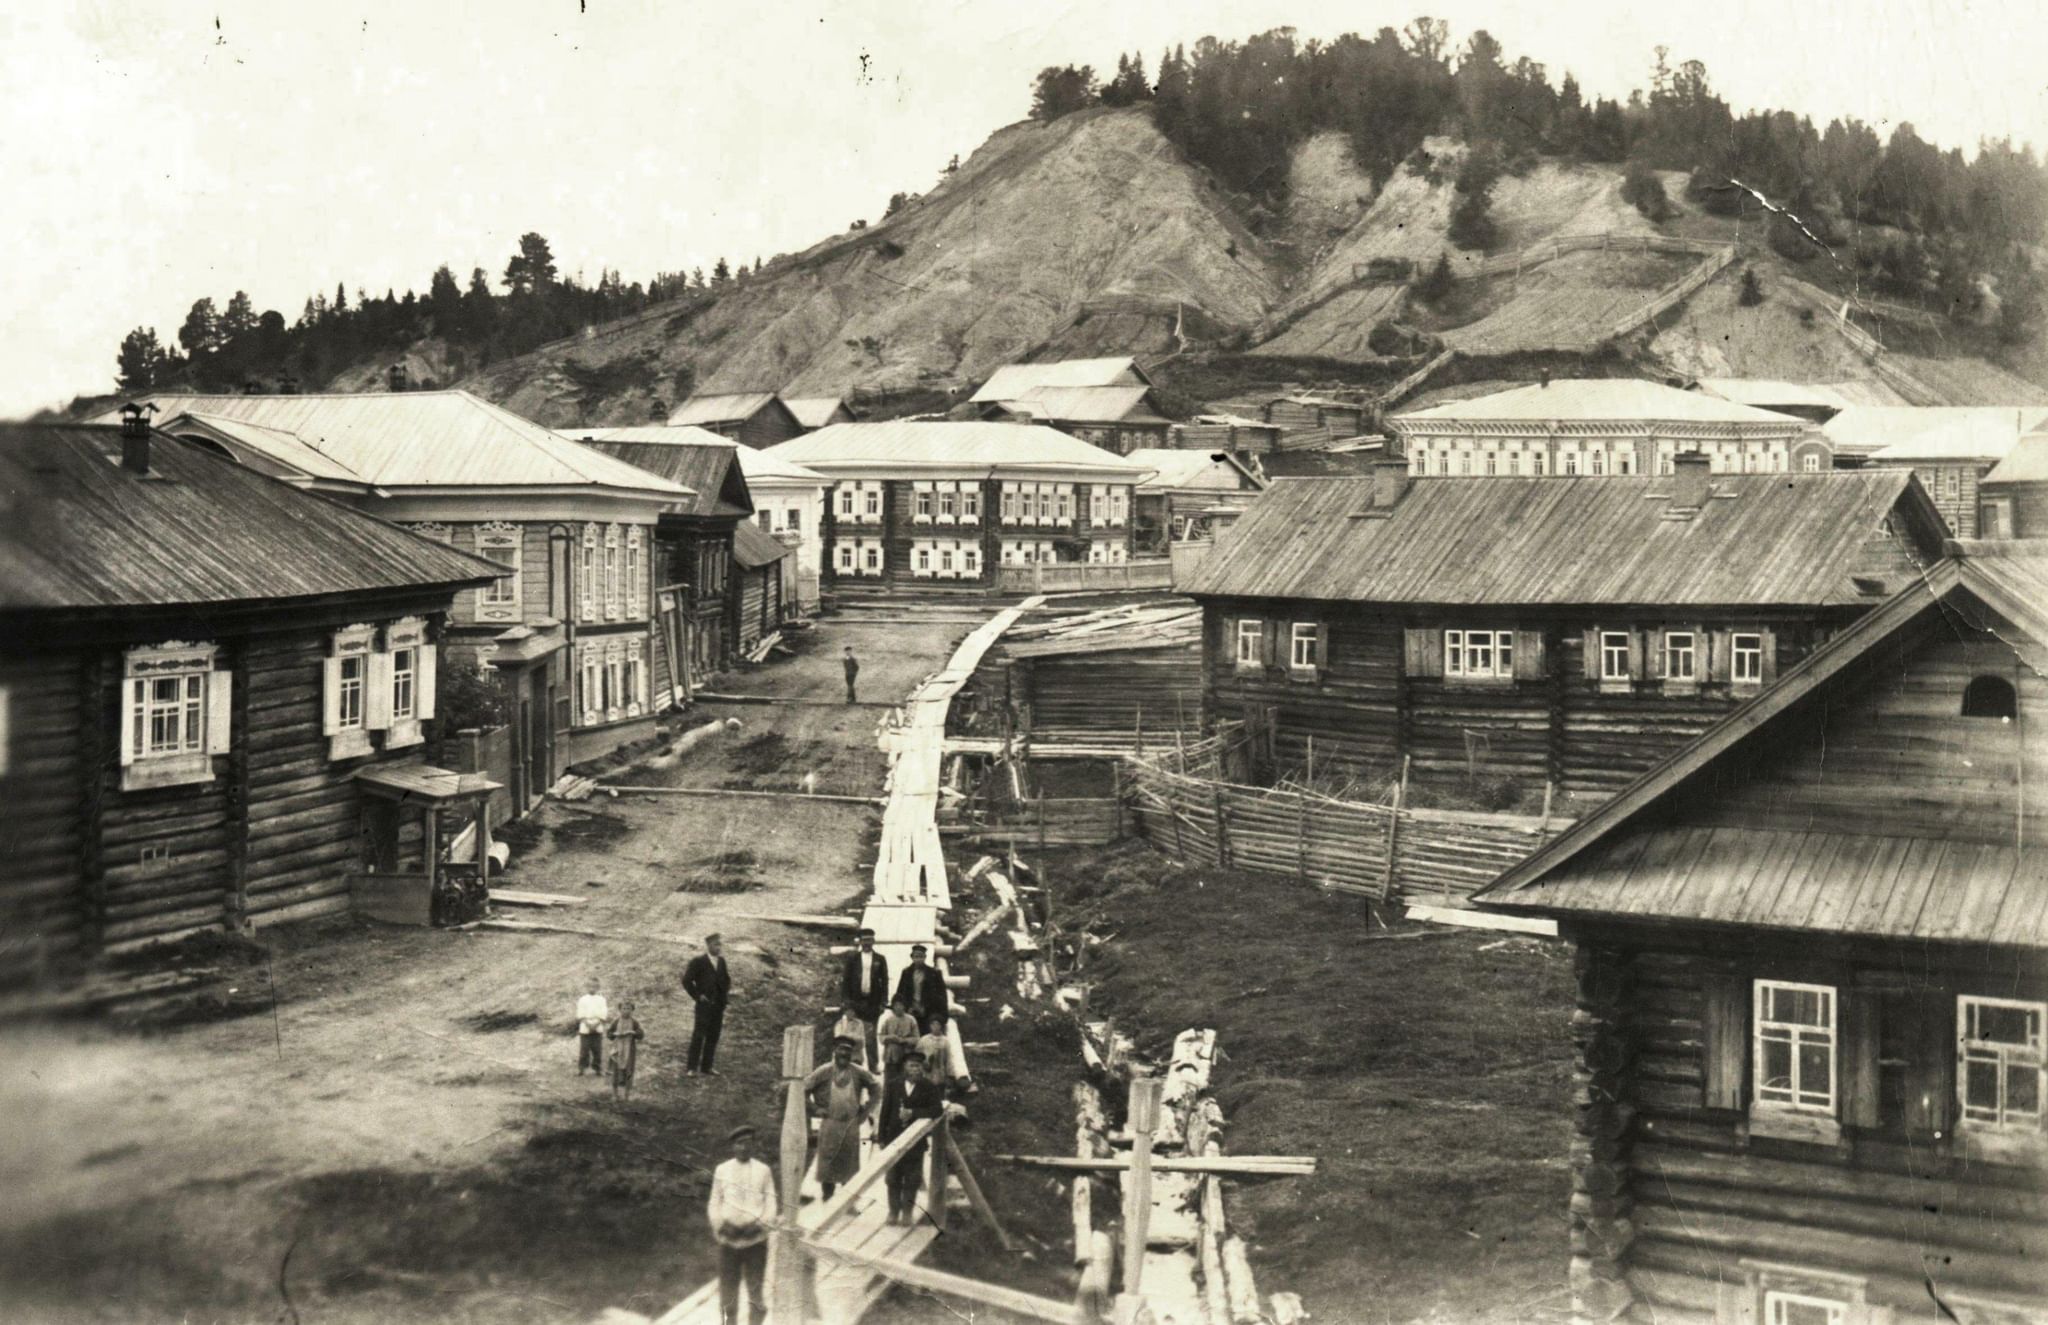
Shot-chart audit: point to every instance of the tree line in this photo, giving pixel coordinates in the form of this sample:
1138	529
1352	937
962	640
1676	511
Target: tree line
235	348
1963	227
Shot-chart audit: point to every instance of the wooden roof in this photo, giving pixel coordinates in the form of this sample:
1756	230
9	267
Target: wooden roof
753	547
1762	540
694	459
1636	858
78	530
1017	380
1599	399
703	411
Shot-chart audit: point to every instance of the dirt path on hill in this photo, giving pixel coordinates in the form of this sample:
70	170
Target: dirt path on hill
404	1137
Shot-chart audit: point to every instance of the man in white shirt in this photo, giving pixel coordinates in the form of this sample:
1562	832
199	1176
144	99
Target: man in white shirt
742	1206
592	1013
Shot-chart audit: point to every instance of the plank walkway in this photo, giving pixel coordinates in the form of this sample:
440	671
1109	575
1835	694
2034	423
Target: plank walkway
910	889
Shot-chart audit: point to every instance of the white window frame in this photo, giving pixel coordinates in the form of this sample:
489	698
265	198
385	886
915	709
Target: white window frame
1251	644
1009	506
403	720
1614	646
921	559
1746	660
871	502
847	499
1776	1302
636	591
613	567
949	503
500	599
844	556
921	502
870	557
1809	463
1795	1097
1539	458
970	561
970	503
1688	653
202	707
586	583
347	725
947	560
2005	1057
1464	650
1300	633
634	669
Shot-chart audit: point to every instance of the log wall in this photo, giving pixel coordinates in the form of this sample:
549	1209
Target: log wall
43	903
304	812
1674	1200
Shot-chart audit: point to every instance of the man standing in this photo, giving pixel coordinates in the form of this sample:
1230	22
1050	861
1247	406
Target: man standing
707	982
742	1205
847	1095
852	665
591	1015
863	988
907	1099
922	989
898	1033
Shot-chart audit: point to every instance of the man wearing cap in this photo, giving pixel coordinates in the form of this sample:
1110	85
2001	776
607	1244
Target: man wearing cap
847	1094
922	989
852	667
708	984
742	1206
864	988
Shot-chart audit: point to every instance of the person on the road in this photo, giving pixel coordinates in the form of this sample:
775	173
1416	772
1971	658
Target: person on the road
922	989
707	981
864	988
624	1035
742	1207
852	665
906	1100
846	1094
591	1015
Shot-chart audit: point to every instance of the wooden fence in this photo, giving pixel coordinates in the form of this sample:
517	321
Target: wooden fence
1898	379
1056	577
1711	266
1345	846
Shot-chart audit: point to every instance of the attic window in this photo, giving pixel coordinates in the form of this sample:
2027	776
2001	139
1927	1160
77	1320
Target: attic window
1990	697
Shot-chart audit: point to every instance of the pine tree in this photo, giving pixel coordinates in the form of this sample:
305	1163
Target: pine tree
141	361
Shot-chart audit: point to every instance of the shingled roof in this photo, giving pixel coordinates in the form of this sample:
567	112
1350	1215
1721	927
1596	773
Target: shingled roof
1762	539
78	530
692	458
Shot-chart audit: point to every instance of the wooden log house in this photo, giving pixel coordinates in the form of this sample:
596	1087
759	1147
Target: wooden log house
2012	501
1954	456
1497	635
200	668
1104	402
1185	490
937	507
759	419
567	630
1813	984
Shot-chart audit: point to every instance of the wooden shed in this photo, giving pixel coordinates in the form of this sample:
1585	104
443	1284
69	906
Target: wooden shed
761	563
758	419
1813	984
2012	500
196	661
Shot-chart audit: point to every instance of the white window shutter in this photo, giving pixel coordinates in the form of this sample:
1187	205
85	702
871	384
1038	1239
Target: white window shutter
330	696
220	711
131	691
377	692
423	681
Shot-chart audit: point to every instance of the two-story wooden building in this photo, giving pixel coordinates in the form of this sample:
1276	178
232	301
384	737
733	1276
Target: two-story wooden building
789	506
2012	500
751	418
939	506
1531	631
1812	1012
1104	402
204	676
1600	426
568	628
1953	455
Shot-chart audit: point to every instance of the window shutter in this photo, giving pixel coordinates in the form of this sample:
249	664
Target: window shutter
1860	1018
377	692
1655	645
220	712
1529	664
1272	656
423	681
1735	1302
1592	658
1323	646
131	707
1930	1071
330	696
1720	646
1635	653
1724	1034
1770	660
1229	651
1425	649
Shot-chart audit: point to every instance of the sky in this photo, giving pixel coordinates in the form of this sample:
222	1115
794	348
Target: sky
154	151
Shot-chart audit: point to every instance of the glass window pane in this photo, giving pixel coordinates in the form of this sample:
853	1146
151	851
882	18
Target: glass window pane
2006	1025
1816	1070
1777	1065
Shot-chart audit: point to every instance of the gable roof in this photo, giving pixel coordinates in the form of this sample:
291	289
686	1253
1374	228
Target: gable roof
911	444
761	467
753	546
816	411
1598	399
1861	430
1017	380
2027	462
1972	435
1764	393
702	411
1173	468
1619	861
1763	539
1086	404
405	439
697	460
81	531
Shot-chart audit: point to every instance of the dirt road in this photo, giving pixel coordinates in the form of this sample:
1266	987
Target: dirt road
404	1137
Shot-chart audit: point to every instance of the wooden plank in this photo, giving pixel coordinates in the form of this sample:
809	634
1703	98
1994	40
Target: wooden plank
743	792
521	897
1246	1166
1474	919
1028	1305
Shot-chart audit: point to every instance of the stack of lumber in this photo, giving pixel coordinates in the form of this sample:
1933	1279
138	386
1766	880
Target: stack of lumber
1169	623
767	645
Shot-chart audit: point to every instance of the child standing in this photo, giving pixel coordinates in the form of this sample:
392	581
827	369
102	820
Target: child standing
591	1014
625	1035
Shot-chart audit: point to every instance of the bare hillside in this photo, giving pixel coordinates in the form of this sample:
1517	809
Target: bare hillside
1045	226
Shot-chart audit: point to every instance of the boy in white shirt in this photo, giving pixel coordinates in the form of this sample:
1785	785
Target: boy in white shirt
742	1206
592	1012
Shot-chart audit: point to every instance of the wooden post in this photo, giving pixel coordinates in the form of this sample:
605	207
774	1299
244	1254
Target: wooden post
1141	730
1143	1117
973	1190
1310	776
1394	830
789	1269
1548	789
1222	826
936	1189
1116	792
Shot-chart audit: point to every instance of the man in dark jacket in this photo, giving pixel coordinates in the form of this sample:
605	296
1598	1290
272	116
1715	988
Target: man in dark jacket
906	1100
864	989
852	665
707	982
922	989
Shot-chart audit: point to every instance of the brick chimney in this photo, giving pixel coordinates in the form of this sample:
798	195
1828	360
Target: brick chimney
135	437
1691	480
1389	483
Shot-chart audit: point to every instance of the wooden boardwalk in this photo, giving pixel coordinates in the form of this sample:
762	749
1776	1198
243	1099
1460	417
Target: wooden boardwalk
910	889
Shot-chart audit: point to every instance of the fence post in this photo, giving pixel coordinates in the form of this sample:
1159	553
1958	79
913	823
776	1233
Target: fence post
939	1173
1142	1117
789	1271
1394	829
1222	828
